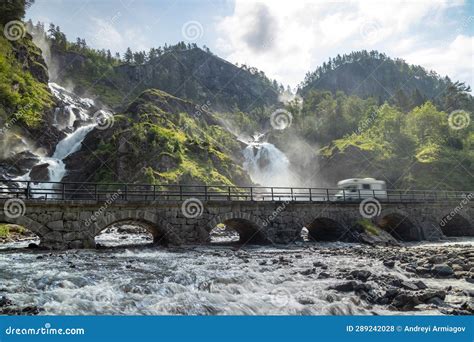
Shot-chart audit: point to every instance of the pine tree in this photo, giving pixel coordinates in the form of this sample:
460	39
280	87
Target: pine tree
128	56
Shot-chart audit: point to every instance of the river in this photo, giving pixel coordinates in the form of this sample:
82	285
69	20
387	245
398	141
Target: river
304	278
220	279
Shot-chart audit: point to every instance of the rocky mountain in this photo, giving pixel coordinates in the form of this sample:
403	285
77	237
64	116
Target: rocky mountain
186	72
361	115
160	139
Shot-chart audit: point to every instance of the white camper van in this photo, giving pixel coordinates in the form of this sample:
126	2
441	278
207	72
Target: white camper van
360	188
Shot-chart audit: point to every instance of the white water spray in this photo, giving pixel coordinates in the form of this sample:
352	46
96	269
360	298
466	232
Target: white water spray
266	164
76	108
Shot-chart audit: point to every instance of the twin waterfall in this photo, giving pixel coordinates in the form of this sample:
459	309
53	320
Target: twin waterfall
265	164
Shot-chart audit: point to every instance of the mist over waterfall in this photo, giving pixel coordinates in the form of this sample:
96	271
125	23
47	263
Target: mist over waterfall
267	165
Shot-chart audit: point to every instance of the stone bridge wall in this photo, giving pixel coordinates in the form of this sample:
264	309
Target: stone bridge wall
75	224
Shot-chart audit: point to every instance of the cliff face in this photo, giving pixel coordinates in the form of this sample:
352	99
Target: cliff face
192	74
160	139
26	106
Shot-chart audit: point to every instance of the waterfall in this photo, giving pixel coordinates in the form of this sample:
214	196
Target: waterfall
66	147
73	109
267	165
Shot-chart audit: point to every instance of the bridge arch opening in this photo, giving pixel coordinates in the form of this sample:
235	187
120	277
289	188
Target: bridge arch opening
237	231
456	226
222	234
325	229
17	236
129	233
399	226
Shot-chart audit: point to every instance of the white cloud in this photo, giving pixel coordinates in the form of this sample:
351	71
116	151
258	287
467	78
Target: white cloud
105	35
286	39
454	58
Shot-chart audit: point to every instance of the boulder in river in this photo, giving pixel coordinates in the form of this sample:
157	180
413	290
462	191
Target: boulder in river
442	270
40	173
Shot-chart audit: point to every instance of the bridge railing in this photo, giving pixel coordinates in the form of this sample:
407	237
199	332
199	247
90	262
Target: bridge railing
103	192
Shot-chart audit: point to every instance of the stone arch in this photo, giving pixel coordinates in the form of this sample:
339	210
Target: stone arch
251	229
456	225
324	228
161	230
399	225
40	230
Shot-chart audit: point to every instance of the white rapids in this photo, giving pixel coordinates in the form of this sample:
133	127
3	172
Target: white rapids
199	280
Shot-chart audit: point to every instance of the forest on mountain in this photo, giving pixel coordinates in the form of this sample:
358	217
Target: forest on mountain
358	115
183	70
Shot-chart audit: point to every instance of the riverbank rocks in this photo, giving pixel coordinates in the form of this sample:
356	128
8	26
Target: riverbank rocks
442	270
8	307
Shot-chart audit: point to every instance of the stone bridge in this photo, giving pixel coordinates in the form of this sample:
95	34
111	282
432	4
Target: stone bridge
63	224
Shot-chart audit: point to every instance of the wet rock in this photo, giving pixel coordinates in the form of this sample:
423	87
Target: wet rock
32	245
409	286
24	161
320	264
406	301
308	271
389	263
324	275
4	301
361	274
305	301
436	301
425	297
422	270
345	287
421	285
437	259
31	310
40	173
442	270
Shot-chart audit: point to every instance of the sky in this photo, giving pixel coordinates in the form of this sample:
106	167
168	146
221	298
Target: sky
285	39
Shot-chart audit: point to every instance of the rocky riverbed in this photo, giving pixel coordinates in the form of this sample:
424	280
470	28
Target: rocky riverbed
301	279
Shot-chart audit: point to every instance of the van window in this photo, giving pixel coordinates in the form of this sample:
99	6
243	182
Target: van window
350	187
366	186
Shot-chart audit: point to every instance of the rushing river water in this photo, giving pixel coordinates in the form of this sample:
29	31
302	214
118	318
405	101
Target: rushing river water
205	280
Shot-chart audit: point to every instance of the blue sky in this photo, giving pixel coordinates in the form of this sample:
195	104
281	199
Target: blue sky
285	39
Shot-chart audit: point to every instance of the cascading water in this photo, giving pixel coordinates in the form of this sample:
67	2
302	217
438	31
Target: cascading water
66	147
266	164
76	118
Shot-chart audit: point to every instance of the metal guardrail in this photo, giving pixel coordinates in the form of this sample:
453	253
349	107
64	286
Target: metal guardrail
59	191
